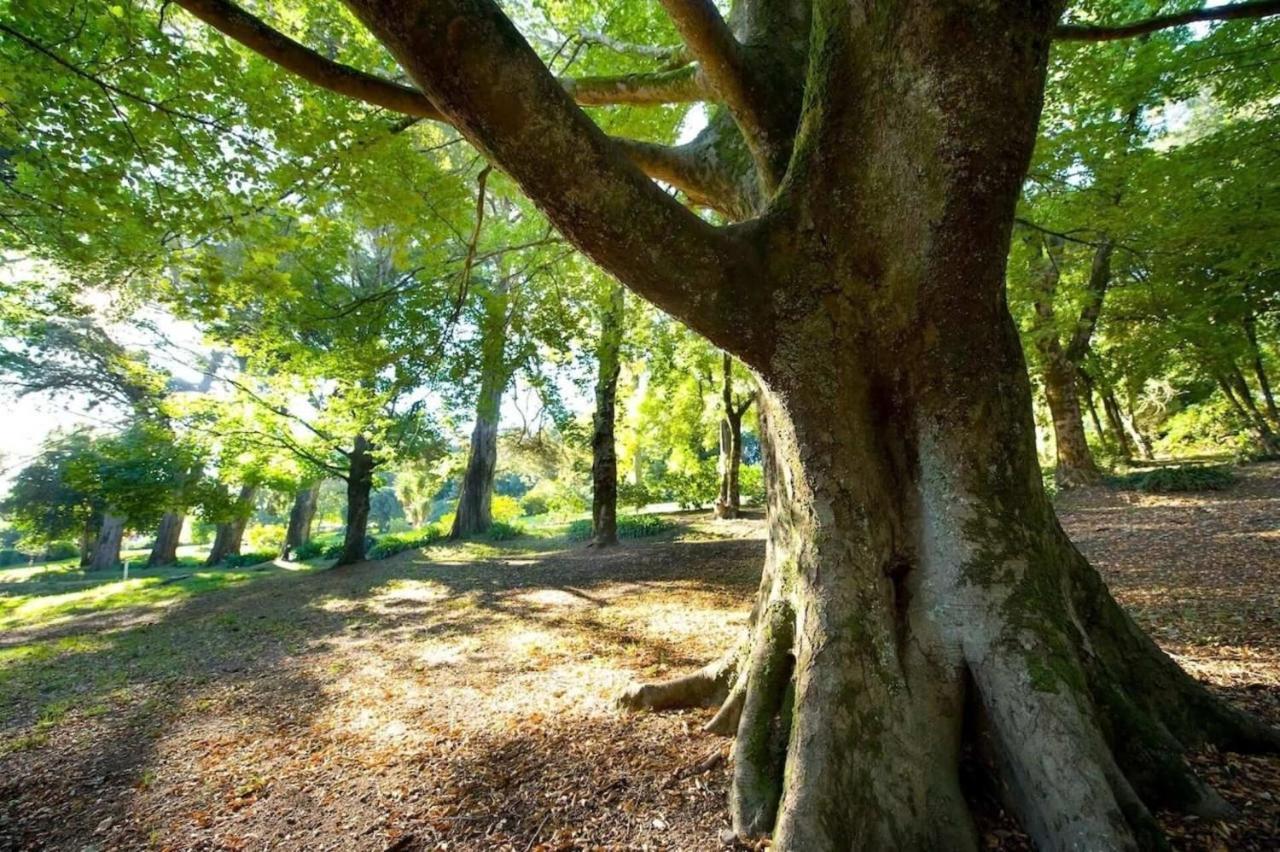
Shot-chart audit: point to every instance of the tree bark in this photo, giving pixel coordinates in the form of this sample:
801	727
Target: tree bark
1060	365
165	549
604	456
729	501
475	498
229	534
1236	390
1259	368
359	488
301	516
918	593
87	537
106	548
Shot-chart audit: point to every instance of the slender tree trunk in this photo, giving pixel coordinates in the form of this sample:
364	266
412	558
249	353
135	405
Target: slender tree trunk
729	501
1242	402
301	516
1092	405
106	549
1075	466
1259	369
229	535
1140	437
475	498
359	488
165	549
604	456
1116	421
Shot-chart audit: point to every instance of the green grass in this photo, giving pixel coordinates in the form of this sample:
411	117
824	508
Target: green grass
54	595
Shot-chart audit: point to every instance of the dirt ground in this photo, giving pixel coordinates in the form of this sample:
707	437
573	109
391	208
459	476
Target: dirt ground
462	699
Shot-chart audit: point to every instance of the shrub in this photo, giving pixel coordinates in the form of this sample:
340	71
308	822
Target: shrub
503	531
533	504
263	537
446	521
202	531
390	545
629	526
634	494
751	483
310	549
505	509
1168	480
57	550
252	558
9	556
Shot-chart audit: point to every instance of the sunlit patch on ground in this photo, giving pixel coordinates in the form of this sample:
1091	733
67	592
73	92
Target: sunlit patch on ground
462	697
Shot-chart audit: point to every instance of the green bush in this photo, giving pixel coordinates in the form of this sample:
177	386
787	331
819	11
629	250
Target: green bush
263	537
1184	478
390	545
629	526
9	557
503	531
751	483
504	509
534	504
635	494
58	550
252	558
310	549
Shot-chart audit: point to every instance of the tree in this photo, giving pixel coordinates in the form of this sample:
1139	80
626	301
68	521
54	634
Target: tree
733	410
915	569
301	515
604	456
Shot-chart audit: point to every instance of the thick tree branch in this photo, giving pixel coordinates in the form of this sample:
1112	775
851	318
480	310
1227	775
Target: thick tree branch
703	181
673	86
683	85
726	67
669	57
471	61
1236	11
264	40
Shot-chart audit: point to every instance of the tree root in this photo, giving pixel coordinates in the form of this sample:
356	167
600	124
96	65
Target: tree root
707	687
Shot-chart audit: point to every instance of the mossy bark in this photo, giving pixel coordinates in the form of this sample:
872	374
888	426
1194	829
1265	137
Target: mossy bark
918	594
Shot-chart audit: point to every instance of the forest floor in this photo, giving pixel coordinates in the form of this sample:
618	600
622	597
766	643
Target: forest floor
462	697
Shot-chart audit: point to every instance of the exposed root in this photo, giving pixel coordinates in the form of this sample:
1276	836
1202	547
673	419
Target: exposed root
707	687
760	748
725	722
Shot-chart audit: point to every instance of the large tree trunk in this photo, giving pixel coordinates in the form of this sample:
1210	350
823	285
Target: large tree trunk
300	518
918	594
475	498
106	548
165	549
604	456
229	535
359	488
